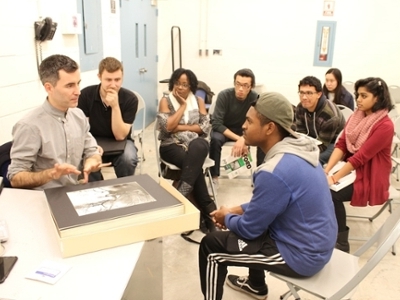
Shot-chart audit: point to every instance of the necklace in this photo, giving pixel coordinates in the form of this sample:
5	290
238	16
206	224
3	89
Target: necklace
105	105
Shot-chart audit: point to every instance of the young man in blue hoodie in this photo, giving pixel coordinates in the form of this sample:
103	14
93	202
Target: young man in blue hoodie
289	225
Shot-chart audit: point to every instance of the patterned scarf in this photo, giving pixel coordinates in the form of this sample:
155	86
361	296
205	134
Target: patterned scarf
359	126
183	138
191	103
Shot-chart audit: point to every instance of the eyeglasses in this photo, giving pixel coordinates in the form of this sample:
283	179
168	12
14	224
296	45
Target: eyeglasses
244	85
307	94
184	85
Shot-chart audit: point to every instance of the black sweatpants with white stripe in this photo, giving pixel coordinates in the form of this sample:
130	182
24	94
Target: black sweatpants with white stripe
221	249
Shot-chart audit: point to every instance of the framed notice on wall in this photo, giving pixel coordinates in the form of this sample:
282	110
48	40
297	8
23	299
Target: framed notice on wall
324	43
329	8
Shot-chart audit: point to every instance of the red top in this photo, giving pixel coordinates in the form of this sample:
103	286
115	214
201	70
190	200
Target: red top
372	163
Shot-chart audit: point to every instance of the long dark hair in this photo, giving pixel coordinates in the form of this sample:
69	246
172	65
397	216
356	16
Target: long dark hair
379	89
339	88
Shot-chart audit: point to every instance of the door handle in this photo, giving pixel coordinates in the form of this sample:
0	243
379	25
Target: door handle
142	70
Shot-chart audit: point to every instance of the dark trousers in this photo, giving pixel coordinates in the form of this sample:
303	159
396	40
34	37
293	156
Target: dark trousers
326	154
191	164
124	164
217	141
221	249
338	198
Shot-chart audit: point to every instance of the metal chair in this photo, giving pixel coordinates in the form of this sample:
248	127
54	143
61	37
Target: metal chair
393	114
5	161
349	86
138	131
393	194
394	91
208	163
396	144
347	112
342	274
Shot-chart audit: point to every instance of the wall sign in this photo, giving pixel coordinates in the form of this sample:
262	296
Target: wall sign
112	6
324	43
329	8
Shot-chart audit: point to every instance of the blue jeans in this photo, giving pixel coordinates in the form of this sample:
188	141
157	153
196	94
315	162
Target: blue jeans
324	156
124	164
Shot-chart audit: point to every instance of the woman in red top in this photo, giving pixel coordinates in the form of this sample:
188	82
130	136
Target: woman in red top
365	145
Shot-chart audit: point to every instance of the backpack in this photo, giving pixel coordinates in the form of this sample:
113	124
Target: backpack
209	94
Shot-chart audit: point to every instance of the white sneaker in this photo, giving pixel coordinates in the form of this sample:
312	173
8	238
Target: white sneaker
216	186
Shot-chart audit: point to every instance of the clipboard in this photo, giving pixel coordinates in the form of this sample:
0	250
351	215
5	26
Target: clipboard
111	146
344	181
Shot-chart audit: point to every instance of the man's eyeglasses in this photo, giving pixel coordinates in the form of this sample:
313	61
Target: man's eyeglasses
307	94
184	85
244	86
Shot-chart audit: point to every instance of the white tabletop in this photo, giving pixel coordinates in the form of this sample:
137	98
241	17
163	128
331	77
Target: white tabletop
98	275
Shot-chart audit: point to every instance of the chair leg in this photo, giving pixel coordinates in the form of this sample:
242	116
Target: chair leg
212	185
387	203
141	146
292	291
394	169
394	245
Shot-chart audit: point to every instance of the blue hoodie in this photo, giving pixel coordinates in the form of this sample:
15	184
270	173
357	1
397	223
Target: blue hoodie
291	199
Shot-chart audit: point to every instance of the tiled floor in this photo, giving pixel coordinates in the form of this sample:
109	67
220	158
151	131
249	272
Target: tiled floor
181	279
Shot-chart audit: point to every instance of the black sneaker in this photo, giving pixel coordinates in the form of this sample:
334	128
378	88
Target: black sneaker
243	285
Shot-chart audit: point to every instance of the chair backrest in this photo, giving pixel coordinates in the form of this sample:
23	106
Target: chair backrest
397	127
384	239
5	161
393	114
141	110
347	112
157	146
342	274
212	107
142	103
394	91
349	85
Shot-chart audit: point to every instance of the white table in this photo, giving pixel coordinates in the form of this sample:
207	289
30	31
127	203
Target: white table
98	275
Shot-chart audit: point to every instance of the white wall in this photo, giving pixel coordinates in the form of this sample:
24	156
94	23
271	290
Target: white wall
20	88
276	39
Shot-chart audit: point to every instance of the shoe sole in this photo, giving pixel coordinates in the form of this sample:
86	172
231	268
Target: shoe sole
231	285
